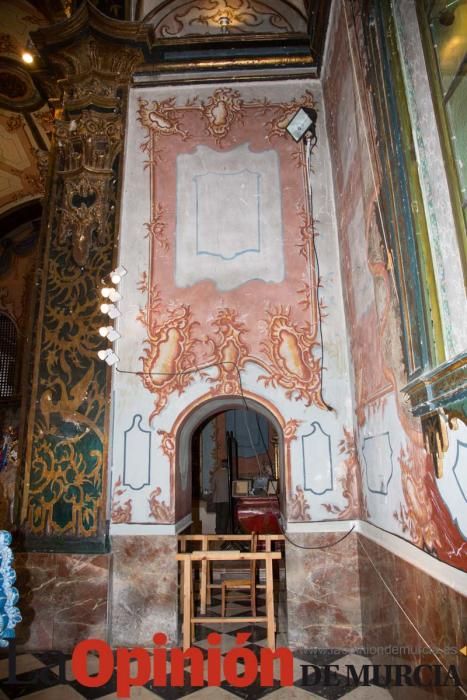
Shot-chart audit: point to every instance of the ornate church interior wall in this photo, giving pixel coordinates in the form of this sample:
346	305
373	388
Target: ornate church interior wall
242	287
403	500
223	267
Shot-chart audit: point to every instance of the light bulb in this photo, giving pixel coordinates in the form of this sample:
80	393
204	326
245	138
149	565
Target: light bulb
27	57
113	312
117	274
105	308
102	354
105	291
103	331
113	335
112	358
114	295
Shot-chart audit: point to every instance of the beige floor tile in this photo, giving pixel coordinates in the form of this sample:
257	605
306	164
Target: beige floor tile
57	692
227	627
368	693
228	643
24	663
353	660
92	665
135	694
292	693
212	694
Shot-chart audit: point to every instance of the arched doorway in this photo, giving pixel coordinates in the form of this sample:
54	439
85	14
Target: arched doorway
247	436
250	436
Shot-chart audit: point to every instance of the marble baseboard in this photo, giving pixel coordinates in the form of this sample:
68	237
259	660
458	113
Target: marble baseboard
144	597
416	613
63	599
323	593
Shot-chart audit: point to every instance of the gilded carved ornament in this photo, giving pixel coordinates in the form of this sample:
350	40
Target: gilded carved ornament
66	450
87	148
439	398
435	434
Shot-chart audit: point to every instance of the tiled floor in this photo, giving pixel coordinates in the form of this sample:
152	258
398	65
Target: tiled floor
38	679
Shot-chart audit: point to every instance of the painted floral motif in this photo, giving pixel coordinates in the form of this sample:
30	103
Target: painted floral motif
307	234
290	430
417	517
221	110
142	285
216	16
290	352
156	228
167	444
14	123
286	355
169	355
298	508
120	512
160	119
168	448
159	510
229	350
350	482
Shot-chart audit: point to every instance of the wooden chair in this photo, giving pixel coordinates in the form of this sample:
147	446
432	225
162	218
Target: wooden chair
248	584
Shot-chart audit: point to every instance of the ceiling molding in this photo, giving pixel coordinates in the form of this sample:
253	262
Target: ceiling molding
18	91
87	19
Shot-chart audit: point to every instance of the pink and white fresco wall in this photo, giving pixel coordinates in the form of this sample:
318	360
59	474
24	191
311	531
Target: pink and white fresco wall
227	274
401	493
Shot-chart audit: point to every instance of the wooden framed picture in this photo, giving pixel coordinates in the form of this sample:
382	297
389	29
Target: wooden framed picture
241	487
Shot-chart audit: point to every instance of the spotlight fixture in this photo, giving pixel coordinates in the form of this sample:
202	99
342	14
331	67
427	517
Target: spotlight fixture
302	122
27	57
111	310
117	274
110	293
108	356
109	333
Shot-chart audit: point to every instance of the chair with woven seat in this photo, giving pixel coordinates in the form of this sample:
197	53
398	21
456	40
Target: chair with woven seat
248	584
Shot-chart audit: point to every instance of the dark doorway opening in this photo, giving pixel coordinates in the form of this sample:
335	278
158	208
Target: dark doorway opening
246	444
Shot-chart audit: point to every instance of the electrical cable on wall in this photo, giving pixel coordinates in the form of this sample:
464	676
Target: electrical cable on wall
310	143
219	364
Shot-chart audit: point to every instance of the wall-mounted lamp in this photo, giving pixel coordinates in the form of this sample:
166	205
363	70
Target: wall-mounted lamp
108	356
109	333
224	22
111	310
110	293
117	274
29	53
303	122
27	57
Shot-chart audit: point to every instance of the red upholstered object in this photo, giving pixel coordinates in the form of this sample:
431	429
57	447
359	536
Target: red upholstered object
258	515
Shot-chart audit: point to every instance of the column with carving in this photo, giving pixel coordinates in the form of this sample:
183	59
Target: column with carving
65	455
